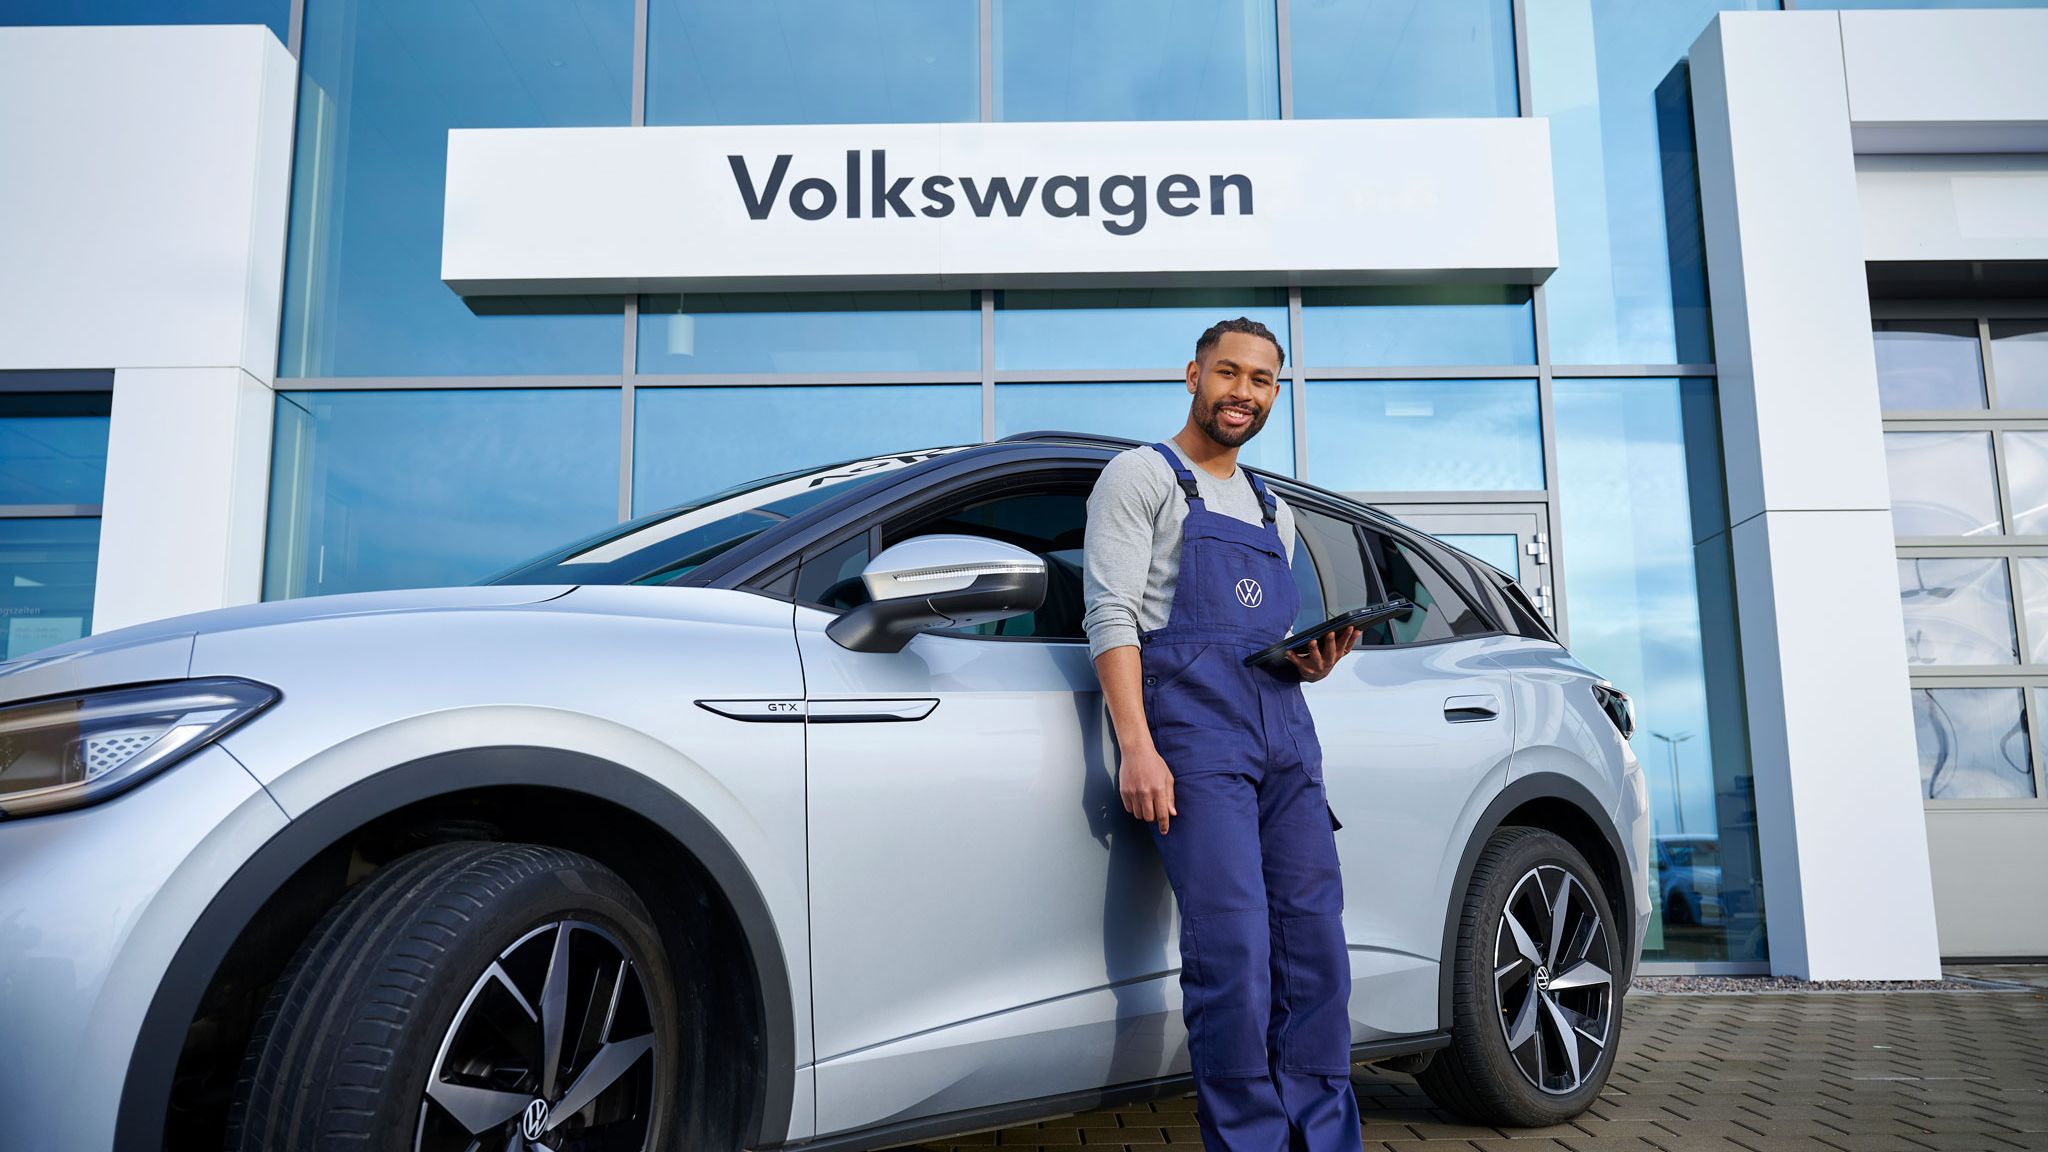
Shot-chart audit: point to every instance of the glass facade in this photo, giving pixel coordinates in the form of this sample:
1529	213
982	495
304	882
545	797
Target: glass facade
272	14
53	468
526	422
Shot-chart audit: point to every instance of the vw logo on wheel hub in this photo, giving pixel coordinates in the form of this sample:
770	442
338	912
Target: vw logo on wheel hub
1543	979
533	1123
1249	593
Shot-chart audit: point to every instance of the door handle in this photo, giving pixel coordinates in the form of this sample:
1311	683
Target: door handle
870	711
1470	709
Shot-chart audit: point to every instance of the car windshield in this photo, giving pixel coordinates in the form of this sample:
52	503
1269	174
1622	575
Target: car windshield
660	546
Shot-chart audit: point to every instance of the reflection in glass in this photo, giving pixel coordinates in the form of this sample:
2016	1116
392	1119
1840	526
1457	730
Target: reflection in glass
1503	550
812	62
1630	286
1973	743
1925	364
1397	58
1958	611
48	566
381	85
2019	354
810	332
1136	60
2032	574
1425	435
414	489
1142	412
53	447
1651	606
2026	480
1092	329
274	14
1400	327
689	441
1942	484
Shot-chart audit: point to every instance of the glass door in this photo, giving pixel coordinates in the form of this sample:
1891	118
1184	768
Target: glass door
1514	538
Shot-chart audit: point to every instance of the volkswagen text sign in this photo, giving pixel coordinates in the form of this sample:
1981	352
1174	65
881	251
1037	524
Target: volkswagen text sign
556	210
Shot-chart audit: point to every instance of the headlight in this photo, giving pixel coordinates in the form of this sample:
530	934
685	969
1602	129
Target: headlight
71	750
1619	708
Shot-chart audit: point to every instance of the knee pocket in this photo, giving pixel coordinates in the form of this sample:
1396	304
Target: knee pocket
1313	967
1226	991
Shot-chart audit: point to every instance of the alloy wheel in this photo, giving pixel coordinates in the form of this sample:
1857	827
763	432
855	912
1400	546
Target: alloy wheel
1552	980
553	1048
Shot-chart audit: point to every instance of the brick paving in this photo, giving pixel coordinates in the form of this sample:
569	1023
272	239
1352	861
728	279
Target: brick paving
1797	1072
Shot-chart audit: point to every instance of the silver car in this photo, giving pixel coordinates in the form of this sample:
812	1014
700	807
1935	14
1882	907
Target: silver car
785	818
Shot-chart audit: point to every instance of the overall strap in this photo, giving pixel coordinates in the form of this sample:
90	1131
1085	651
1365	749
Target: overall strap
1181	473
1268	503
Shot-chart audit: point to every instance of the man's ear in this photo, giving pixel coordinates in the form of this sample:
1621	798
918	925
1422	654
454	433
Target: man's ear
1194	376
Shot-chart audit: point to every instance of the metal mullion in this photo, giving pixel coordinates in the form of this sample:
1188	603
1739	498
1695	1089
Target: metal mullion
628	367
57	380
1553	505
1087	376
1932	420
439	383
1281	25
2005	520
1297	382
1525	94
988	364
1426	372
2015	308
295	30
1454	497
48	511
639	87
1984	363
800	379
987	48
1624	371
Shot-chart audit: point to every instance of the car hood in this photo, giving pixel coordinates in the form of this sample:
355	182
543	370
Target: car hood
162	649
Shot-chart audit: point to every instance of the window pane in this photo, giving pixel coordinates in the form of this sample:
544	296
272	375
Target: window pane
1425	435
1136	60
1928	364
1973	743
1647	578
47	570
412	489
53	447
1397	58
1957	611
812	62
1630	286
2019	354
1500	549
1441	611
381	85
1101	329
1942	484
1333	545
1049	524
833	579
810	332
2032	573
1143	412
2026	479
274	14
690	441
1400	327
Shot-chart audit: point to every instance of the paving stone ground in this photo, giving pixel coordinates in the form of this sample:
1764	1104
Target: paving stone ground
1800	1072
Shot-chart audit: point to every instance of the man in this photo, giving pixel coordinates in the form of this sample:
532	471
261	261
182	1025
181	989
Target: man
1186	571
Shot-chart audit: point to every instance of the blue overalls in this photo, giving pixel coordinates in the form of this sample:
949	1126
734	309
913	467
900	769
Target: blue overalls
1251	853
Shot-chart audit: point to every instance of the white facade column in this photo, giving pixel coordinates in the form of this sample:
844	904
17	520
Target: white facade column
145	189
1843	837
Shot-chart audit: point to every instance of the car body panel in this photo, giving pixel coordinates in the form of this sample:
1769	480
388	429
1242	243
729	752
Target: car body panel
74	987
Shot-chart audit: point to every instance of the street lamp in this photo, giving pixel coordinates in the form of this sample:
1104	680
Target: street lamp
1671	743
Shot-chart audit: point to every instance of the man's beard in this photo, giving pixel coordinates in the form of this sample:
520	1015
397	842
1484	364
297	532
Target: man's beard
1230	438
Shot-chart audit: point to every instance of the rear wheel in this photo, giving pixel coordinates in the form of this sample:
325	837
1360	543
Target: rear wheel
1535	1005
469	996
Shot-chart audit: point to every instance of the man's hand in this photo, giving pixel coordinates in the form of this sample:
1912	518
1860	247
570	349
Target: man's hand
1147	786
1322	656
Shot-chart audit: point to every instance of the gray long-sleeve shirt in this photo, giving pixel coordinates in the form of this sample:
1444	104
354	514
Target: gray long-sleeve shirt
1131	558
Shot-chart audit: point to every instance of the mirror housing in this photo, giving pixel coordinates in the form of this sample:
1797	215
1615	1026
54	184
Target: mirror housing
939	581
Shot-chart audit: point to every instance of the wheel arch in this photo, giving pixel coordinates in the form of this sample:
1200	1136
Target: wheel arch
320	839
1556	804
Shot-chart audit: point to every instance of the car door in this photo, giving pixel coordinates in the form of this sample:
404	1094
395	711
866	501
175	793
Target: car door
1416	739
987	922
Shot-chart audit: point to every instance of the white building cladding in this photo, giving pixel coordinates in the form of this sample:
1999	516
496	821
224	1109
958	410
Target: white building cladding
1485	255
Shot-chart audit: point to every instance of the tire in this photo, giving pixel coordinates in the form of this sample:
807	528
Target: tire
1485	1076
416	1014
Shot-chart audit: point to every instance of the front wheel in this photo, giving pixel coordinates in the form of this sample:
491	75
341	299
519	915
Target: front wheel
1535	1006
496	996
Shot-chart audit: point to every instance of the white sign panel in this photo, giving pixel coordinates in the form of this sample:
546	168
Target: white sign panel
572	210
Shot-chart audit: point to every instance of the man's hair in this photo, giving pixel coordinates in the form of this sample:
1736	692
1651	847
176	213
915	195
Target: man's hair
1244	324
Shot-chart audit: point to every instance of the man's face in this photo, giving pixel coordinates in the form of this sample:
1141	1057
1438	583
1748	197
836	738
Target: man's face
1235	384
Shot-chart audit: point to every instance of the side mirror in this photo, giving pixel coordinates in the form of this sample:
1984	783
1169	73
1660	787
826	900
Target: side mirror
939	581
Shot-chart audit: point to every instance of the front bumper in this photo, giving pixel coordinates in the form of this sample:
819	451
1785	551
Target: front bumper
93	905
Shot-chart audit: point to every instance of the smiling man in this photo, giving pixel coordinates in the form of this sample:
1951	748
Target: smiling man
1187	570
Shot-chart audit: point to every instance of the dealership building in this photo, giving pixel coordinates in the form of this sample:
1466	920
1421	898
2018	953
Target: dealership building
1724	328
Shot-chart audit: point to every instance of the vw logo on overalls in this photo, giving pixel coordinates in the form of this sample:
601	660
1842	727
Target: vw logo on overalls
1248	592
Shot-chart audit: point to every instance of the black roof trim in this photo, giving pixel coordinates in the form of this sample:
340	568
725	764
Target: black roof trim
1072	438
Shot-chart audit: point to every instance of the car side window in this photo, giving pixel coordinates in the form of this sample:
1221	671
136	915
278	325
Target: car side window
1442	611
831	579
1346	584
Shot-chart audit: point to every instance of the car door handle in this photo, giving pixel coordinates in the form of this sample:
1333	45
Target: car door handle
1468	709
870	711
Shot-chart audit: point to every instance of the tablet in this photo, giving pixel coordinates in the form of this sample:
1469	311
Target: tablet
1276	654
